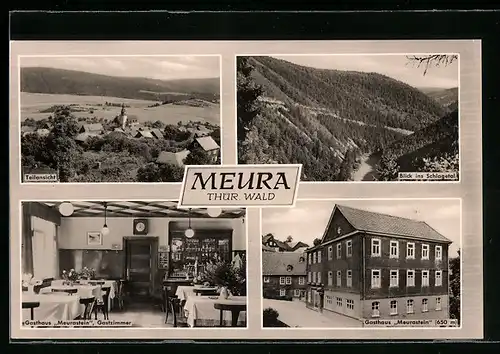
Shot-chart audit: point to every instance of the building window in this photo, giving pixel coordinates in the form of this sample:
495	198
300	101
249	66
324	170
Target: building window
349	278
375	309
314	258
425	278
319	256
339	278
425	251
330	253
339	302
438	304
319	277
409	306
301	259
330	278
339	250
439	278
348	248
350	304
394	249
282	280
410	250
309	258
302	280
282	292
375	247
375	278
439	253
314	277
296	292
394	281
266	279
425	306
288	280
309	277
410	278
309	296
394	307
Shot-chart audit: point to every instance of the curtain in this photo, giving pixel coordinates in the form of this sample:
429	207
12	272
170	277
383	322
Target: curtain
27	248
44	248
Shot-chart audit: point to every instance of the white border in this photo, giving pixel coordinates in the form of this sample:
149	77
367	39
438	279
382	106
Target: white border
370	329
99	332
365	54
107	56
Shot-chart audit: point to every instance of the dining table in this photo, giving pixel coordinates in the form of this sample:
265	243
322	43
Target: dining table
53	306
87	288
200	311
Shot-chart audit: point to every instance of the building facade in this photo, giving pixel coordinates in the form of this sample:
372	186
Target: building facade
284	275
371	265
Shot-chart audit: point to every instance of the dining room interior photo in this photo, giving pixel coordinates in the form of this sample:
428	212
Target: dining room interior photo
144	262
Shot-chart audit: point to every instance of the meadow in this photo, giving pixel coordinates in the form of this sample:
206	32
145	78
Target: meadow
33	104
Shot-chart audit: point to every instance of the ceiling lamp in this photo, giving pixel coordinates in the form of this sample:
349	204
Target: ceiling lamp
214	212
66	209
105	228
189	231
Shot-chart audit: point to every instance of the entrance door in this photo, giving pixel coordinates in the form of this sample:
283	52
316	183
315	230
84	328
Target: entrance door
139	267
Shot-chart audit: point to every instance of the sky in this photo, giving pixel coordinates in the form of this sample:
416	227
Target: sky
308	219
155	67
395	66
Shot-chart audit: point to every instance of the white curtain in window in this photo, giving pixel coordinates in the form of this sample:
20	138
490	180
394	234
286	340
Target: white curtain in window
44	249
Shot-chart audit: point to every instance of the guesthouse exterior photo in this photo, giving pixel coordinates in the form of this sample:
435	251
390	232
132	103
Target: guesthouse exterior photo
371	265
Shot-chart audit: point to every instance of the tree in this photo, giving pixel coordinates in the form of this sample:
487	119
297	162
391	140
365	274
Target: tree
154	172
289	239
247	94
198	157
436	60
454	267
316	241
387	168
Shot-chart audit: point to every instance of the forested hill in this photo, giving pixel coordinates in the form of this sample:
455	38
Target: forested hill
446	97
366	97
60	81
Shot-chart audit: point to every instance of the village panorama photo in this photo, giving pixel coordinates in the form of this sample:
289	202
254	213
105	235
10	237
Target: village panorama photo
362	263
366	117
118	118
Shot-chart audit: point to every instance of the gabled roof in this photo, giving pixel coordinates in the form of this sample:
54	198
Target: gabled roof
92	127
144	134
27	129
157	133
266	248
173	158
369	221
276	263
207	143
43	131
267	237
84	136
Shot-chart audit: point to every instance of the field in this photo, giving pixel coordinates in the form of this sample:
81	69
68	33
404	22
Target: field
89	106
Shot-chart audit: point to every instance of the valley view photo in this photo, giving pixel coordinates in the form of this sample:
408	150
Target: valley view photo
119	119
349	117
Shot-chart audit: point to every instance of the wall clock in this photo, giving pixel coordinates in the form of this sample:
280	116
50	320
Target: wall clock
140	226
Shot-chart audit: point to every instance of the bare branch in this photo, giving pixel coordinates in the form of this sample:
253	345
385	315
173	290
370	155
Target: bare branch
432	60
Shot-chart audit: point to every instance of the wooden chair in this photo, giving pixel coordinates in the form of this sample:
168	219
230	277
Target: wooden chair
89	307
172	305
120	294
104	303
97	282
68	291
32	306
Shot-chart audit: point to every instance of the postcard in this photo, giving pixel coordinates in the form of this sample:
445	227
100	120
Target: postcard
246	190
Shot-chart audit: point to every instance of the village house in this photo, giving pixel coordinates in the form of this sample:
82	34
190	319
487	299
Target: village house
43	132
284	275
91	128
144	134
173	158
27	129
371	265
279	246
157	133
208	144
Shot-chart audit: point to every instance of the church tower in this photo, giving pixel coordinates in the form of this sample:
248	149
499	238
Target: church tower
123	116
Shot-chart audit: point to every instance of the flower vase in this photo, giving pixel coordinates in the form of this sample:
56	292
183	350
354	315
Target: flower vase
224	293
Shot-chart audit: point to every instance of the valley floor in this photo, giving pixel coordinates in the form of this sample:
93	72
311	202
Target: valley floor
367	170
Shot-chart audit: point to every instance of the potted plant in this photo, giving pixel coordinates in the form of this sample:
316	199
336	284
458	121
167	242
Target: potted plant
224	276
87	273
69	277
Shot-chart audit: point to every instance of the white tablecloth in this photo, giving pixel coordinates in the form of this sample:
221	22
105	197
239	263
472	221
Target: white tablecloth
200	311
184	291
86	290
53	307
